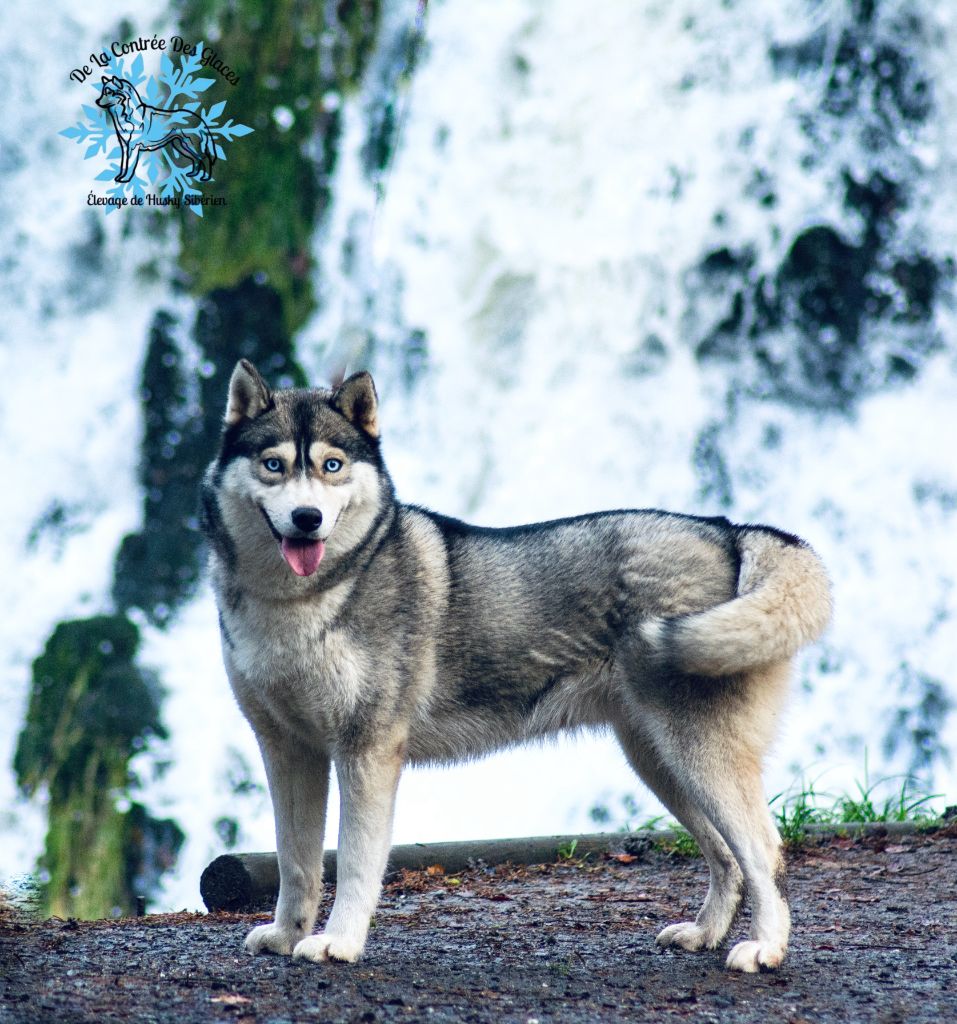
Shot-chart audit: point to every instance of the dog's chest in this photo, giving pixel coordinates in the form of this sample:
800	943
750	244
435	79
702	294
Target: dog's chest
289	658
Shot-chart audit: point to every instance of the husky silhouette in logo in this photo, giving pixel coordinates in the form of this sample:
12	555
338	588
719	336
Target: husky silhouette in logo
139	126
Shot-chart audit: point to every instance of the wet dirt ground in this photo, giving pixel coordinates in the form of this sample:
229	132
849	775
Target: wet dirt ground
875	939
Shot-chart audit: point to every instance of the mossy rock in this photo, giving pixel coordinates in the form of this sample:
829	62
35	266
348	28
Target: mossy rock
90	707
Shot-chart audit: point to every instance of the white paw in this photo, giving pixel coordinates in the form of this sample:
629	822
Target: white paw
320	948
271	938
752	956
687	935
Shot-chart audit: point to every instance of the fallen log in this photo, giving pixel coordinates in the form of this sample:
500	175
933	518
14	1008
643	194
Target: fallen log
243	882
250	881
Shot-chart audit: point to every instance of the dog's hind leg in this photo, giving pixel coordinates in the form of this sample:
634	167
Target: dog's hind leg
735	802
716	740
726	885
209	151
368	781
185	146
299	786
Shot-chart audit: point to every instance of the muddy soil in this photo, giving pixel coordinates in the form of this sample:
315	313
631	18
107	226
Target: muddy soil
875	940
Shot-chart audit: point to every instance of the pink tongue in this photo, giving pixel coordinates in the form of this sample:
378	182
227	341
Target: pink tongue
303	556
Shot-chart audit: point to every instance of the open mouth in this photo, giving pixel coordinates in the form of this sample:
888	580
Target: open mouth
302	554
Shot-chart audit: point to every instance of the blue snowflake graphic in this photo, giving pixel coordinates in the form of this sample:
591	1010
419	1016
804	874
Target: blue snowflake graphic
174	97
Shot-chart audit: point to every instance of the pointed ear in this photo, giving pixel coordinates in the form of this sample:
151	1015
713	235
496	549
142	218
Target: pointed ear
356	399
248	394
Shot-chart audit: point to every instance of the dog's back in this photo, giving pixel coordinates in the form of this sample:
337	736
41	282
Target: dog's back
567	623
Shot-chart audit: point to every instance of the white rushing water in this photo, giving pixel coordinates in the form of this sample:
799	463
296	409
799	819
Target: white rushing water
562	170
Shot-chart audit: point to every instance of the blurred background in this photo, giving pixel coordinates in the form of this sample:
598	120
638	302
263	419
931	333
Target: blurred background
689	255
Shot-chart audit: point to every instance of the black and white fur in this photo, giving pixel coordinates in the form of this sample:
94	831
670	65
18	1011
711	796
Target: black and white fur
419	638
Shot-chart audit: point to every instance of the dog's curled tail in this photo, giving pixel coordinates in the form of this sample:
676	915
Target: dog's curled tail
783	603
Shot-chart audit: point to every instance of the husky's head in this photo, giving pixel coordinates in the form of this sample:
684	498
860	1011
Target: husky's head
116	92
299	473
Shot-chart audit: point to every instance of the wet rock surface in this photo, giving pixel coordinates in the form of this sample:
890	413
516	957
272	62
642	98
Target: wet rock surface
875	940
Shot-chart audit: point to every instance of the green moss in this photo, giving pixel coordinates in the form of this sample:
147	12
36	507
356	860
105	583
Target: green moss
87	699
355	31
91	709
276	180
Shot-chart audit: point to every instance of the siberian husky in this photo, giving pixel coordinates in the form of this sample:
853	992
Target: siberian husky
371	634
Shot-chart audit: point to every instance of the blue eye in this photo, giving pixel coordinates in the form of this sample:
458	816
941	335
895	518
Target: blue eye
273	465
332	465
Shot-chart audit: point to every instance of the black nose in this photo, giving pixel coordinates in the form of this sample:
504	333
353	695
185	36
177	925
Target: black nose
306	518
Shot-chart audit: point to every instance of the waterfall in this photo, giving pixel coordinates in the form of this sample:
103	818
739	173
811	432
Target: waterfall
690	256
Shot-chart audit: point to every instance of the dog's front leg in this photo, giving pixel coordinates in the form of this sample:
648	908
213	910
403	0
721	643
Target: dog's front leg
124	160
367	787
132	155
299	786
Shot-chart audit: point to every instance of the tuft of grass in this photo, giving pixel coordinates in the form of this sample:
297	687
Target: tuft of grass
893	798
683	844
907	805
904	800
566	851
797	811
